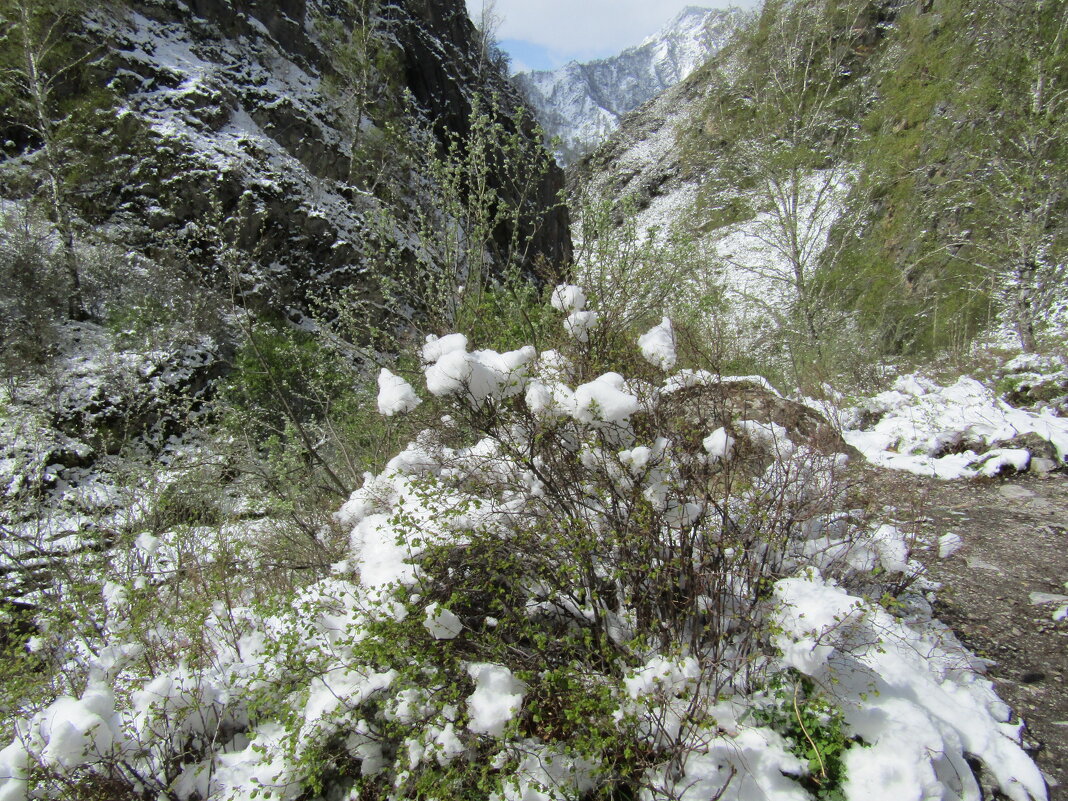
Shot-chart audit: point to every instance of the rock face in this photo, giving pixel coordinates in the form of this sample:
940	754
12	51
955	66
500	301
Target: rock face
444	88
240	126
583	102
225	151
641	162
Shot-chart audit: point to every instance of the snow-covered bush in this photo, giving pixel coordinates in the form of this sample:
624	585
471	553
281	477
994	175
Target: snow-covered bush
579	583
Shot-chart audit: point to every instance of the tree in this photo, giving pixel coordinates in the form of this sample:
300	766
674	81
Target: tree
40	63
782	119
1015	118
486	26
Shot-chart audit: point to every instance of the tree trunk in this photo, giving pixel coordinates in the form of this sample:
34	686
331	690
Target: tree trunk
1023	311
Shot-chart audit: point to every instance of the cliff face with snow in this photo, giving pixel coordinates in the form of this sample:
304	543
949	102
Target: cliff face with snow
582	103
223	167
277	119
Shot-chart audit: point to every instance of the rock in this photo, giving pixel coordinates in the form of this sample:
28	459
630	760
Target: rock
443	80
247	132
1014	492
1039	447
697	411
1040	465
979	564
1035	381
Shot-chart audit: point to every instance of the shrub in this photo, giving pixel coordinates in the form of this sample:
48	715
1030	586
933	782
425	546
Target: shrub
31	298
571	584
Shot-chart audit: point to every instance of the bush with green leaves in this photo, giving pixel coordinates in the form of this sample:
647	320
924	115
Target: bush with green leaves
31	300
573	583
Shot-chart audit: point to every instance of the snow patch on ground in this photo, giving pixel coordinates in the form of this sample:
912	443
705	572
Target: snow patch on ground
948	432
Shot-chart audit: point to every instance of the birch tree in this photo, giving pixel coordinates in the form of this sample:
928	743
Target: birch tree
40	64
784	108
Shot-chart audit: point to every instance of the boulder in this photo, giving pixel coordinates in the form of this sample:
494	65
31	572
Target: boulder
692	413
1040	448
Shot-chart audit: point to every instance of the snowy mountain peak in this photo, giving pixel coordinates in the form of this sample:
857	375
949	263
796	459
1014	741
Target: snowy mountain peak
685	24
581	103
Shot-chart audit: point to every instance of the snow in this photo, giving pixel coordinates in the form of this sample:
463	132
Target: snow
546	773
687	378
382	559
901	684
447	745
14	771
718	444
605	399
568	298
477	376
436	347
578	324
571	300
1039	598
658	345
753	764
395	395
934	430
258	771
441	623
997	461
497	698
663	675
904	695
76	731
342	687
583	102
771	437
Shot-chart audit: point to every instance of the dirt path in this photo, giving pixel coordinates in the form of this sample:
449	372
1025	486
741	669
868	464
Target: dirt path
1015	543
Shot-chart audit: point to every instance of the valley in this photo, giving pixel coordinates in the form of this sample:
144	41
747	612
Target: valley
689	424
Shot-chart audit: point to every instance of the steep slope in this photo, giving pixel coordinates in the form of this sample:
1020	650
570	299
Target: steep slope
583	102
921	141
257	203
641	162
278	118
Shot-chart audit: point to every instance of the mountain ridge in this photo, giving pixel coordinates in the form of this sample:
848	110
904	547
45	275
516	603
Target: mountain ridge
582	102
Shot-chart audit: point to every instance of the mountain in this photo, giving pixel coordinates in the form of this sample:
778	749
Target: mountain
188	191
940	217
310	490
582	102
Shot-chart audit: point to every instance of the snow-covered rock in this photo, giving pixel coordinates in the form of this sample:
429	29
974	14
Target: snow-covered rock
954	431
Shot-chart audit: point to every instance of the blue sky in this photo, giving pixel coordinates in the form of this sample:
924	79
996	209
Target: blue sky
542	34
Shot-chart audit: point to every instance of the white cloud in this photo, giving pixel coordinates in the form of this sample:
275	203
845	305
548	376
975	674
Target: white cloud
581	28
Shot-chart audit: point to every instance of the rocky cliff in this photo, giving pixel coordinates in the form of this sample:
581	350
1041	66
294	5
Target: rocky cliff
220	174
284	133
583	102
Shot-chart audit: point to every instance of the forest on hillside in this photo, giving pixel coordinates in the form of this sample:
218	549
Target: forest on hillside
943	123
